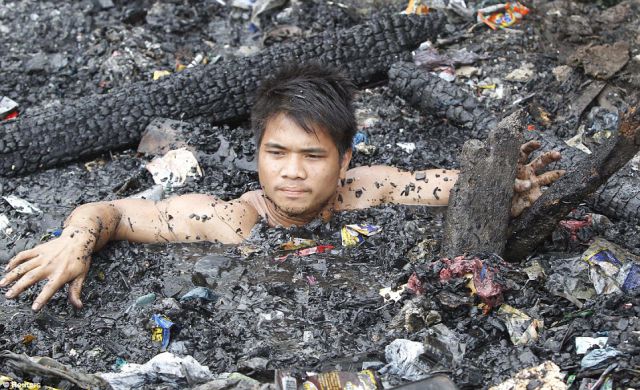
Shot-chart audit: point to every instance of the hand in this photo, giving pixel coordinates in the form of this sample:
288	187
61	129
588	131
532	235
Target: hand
528	182
60	261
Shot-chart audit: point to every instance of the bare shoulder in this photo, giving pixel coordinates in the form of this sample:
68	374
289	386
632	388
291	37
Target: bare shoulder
212	219
365	186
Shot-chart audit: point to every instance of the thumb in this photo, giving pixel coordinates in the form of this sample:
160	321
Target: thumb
75	289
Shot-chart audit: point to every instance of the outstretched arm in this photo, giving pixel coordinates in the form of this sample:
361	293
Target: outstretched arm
66	259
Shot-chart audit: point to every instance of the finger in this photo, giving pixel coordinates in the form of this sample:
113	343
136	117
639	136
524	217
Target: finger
526	149
549	177
47	292
30	278
545	159
518	207
522	185
20	258
18	272
75	288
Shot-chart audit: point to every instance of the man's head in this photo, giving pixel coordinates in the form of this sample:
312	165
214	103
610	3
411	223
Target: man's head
313	96
304	124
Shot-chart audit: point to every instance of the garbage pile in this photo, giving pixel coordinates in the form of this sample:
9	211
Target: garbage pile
365	298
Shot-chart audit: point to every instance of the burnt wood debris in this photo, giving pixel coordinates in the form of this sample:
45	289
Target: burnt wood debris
88	126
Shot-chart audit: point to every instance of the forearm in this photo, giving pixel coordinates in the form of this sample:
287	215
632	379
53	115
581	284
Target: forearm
426	187
99	219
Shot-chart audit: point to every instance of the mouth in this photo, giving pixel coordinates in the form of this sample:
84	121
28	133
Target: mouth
292	192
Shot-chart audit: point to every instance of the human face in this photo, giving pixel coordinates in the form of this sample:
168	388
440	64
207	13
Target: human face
299	171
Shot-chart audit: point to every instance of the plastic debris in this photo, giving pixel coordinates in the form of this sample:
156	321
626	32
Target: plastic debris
161	136
158	74
4	224
414	317
428	57
444	345
612	268
8	383
354	234
164	368
174	167
545	376
261	6
162	331
7	106
306	252
365	380
501	16
584	344
360	137
298	243
436	382
522	328
403	358
483	277
21	205
199	293
389	294
145	300
523	74
571	281
598	356
156	193
416	7
408	147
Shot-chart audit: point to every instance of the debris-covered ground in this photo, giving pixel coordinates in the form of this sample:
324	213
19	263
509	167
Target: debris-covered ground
324	311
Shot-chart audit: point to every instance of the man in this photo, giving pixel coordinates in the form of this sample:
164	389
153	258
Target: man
304	122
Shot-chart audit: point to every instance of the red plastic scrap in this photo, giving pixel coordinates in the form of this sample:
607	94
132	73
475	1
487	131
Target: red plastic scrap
12	115
574	225
306	252
484	277
415	285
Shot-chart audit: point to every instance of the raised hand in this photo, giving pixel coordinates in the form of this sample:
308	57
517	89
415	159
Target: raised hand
528	180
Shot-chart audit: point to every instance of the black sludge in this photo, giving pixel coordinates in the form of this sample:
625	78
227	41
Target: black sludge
222	92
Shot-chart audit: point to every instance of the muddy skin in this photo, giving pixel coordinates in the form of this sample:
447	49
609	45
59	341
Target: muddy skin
343	312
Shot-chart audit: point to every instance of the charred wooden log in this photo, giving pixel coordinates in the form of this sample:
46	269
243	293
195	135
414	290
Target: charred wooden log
222	91
434	96
531	228
479	207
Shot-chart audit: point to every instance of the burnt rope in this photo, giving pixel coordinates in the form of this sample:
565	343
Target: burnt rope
619	197
223	92
434	96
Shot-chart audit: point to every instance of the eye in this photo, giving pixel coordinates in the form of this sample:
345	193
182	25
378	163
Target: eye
314	156
276	153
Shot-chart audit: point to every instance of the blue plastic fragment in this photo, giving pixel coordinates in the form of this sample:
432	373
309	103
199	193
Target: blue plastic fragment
166	324
199	293
632	281
360	136
597	356
56	233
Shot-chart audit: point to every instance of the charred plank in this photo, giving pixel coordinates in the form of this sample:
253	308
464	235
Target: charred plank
530	229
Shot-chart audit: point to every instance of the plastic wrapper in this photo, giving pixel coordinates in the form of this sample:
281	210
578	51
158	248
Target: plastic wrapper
403	358
612	268
522	329
202	293
162	331
21	205
298	243
502	15
306	252
598	356
353	235
333	380
584	344
173	169
7	106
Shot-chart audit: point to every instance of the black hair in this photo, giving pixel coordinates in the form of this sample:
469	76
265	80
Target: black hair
313	96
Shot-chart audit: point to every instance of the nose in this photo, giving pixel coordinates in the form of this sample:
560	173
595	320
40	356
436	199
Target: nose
294	168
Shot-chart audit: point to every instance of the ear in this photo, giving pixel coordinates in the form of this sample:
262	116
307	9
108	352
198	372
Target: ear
344	164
